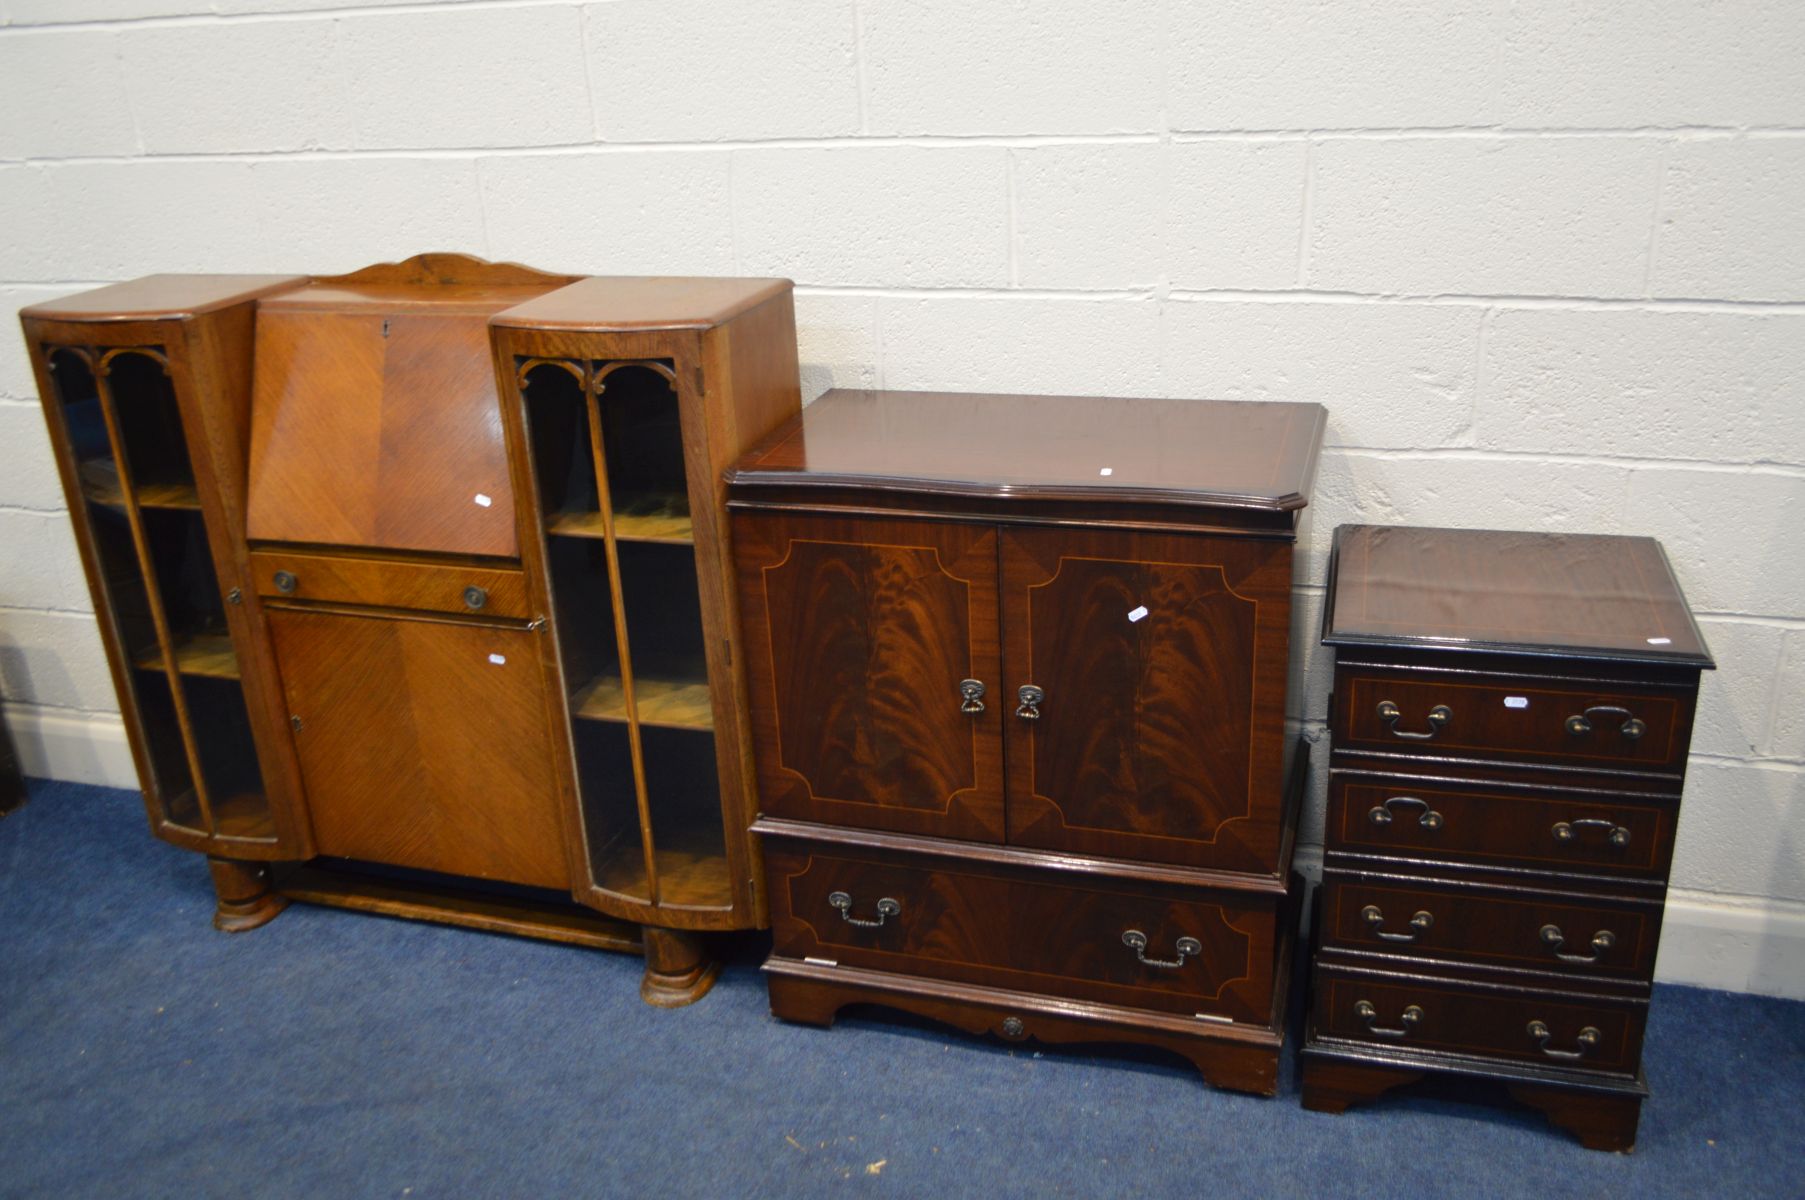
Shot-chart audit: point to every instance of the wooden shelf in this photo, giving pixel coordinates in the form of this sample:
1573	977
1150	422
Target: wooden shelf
100	484
688	876
660	519
669	702
205	654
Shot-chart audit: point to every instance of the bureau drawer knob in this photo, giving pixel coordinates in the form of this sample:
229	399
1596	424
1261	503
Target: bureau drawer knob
475	598
1580	724
886	908
1419	924
1438	716
1583	1042
1566	831
971	696
286	583
1187	947
1408	1019
1381	814
1554	939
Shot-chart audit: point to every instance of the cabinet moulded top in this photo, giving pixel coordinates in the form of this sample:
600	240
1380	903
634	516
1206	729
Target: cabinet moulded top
1230	455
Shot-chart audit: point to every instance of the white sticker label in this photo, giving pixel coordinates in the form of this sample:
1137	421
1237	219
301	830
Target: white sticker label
500	660
1660	641
483	500
1107	471
1138	613
1516	702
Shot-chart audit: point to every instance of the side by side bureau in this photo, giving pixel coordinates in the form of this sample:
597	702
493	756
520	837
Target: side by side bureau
414	587
1017	669
1511	719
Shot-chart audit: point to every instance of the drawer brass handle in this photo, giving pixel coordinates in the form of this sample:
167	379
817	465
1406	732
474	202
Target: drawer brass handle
1188	947
971	695
1632	727
886	908
1409	1018
1390	713
1419	924
1566	831
1030	697
1554	939
475	598
1380	814
1586	1039
286	583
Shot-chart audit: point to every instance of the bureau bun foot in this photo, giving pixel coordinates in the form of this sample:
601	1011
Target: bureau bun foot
1334	1087
679	970
246	899
1599	1122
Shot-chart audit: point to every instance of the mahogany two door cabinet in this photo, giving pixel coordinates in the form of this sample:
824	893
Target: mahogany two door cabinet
1018	669
1511	719
414	586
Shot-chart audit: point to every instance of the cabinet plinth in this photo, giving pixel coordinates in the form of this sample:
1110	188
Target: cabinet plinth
1017	673
1510	723
413	581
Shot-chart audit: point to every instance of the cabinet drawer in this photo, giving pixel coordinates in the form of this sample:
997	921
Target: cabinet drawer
390	583
1494	927
1424	1013
1610	727
1147	946
1489	824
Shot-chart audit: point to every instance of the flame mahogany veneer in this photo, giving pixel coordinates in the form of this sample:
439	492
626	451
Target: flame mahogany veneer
1017	669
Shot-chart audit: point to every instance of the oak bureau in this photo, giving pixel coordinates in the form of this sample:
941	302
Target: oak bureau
1511	718
1017	669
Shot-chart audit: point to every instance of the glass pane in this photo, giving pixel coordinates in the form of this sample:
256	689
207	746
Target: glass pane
683	790
150	425
610	808
664	628
222	735
644	436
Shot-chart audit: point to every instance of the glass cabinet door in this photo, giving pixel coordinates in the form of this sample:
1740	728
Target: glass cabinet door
157	589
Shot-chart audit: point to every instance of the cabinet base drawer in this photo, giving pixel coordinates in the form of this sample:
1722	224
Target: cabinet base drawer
1137	944
1424	1014
1229	1055
485	591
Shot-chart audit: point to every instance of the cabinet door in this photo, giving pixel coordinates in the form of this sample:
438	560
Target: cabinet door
423	744
1161	664
858	635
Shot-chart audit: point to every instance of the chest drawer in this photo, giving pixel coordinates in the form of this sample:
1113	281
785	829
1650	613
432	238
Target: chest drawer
491	591
1497	927
1423	1013
1490	824
1605	726
1146	946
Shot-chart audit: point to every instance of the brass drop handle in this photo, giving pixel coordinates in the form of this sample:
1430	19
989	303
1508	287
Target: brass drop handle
1380	814
475	598
1410	1017
1632	727
1188	947
1554	939
286	583
886	908
971	695
1419	924
1585	1040
1566	831
1438	716
1030	697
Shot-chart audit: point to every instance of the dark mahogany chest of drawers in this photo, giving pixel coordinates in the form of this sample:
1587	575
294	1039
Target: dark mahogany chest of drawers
1510	723
1017	671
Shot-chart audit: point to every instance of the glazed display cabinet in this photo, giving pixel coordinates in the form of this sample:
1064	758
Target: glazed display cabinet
415	590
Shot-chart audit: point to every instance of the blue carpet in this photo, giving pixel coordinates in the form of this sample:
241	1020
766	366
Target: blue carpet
334	1054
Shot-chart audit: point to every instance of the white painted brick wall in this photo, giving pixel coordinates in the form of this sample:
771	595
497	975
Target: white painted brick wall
1544	262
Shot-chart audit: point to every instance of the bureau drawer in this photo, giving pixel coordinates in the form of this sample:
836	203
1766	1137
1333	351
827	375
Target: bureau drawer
488	591
1489	824
1419	1012
1149	946
1607	726
1496	927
